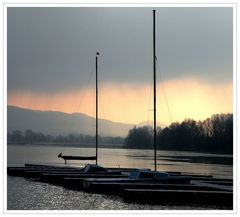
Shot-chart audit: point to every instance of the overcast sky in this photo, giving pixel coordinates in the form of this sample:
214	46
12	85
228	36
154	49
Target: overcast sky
51	61
53	49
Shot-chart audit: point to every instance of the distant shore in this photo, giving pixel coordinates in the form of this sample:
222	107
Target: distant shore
74	145
112	146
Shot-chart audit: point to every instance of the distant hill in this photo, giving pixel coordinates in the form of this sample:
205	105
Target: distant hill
55	123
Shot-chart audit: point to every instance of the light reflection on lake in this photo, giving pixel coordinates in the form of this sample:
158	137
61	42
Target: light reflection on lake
23	194
202	163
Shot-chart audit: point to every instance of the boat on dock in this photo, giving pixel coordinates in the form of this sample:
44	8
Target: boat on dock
67	178
41	172
140	176
54	174
70	157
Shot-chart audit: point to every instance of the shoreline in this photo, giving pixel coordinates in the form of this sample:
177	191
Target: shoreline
114	146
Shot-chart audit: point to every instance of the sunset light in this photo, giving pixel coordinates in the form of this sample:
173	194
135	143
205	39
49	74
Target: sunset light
186	98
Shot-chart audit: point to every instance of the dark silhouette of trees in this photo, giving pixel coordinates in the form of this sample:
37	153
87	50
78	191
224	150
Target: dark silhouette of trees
214	134
16	136
219	132
139	137
186	135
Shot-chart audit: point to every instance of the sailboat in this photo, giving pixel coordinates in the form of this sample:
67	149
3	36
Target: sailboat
69	176
145	175
67	157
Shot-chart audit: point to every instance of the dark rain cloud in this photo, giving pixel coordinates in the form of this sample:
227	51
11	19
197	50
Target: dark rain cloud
52	49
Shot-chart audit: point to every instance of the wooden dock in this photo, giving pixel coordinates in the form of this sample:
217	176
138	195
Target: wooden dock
179	197
118	188
202	190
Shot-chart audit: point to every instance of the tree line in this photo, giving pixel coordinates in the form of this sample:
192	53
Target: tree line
31	137
214	134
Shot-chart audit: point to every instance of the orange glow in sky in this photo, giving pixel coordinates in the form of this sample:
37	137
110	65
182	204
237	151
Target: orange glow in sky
186	98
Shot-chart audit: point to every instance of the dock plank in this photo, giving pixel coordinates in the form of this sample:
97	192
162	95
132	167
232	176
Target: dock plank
155	196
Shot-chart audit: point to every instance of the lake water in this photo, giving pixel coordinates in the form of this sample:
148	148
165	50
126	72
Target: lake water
23	194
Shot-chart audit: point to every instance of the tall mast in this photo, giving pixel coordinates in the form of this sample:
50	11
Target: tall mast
97	54
154	94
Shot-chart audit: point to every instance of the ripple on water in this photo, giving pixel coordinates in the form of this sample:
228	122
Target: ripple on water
23	194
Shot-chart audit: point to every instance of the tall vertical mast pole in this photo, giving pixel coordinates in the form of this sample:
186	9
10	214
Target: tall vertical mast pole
154	95
97	54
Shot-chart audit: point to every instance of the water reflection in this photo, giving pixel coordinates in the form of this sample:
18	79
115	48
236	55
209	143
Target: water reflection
192	159
23	194
210	164
28	195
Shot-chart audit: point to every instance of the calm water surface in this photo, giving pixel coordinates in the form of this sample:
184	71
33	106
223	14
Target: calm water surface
28	195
